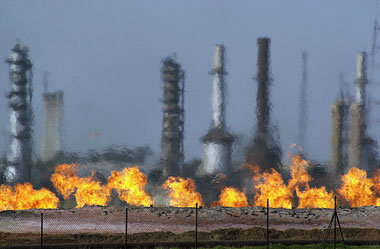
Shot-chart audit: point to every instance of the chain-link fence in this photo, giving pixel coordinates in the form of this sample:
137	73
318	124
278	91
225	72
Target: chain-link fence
136	227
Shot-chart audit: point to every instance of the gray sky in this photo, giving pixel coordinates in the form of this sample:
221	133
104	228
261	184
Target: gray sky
106	57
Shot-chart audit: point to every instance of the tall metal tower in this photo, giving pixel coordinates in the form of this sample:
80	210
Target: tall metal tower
218	140
375	48
264	150
358	128
18	166
303	107
338	136
172	156
52	111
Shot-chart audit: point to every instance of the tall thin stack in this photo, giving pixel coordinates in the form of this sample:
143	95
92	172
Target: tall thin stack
173	117
338	139
218	140
303	118
18	166
358	155
264	150
51	139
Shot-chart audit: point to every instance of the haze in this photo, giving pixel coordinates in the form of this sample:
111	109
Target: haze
106	57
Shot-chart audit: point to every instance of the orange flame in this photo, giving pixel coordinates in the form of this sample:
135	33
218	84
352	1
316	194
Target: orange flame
271	186
358	189
23	196
315	198
129	184
300	177
231	197
376	180
309	197
64	179
182	192
88	190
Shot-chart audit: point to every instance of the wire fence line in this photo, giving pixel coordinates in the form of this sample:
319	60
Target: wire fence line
46	229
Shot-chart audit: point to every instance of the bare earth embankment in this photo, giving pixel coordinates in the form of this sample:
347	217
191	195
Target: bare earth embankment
107	224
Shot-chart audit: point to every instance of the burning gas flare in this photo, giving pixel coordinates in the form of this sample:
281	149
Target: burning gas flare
129	184
315	198
360	190
356	188
23	196
271	186
231	197
300	177
376	179
182	192
307	197
87	190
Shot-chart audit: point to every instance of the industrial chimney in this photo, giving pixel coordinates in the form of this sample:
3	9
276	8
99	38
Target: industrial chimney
358	152
264	149
173	118
18	165
338	136
52	113
303	107
218	140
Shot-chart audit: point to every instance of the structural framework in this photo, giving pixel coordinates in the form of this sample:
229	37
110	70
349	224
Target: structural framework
18	166
173	117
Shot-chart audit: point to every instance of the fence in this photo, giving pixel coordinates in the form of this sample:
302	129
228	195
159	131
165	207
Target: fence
117	227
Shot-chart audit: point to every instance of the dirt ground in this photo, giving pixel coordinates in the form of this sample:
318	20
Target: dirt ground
107	224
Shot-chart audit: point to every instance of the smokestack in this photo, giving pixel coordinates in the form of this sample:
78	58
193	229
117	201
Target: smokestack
218	94
173	117
18	166
263	80
51	139
358	157
338	139
361	80
265	150
218	140
302	126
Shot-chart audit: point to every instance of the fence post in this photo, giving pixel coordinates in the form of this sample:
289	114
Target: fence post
42	229
267	223
335	222
196	225
126	228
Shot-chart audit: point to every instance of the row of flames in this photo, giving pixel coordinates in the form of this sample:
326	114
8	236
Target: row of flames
356	189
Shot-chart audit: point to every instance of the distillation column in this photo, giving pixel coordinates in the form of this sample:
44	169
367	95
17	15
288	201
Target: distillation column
173	118
18	166
218	140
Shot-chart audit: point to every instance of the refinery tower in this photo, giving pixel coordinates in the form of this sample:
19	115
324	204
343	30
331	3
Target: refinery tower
52	113
217	141
18	159
172	152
